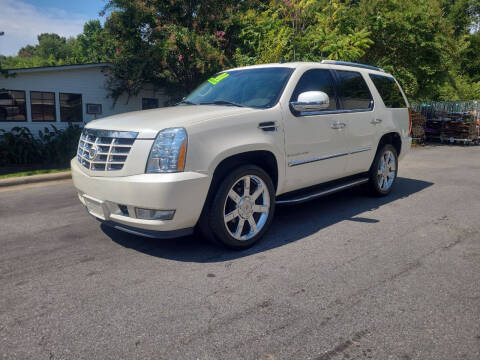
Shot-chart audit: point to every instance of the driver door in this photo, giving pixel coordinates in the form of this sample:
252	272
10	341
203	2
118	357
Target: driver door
315	142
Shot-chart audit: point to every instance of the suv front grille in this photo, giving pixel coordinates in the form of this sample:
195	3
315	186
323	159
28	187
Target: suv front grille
104	150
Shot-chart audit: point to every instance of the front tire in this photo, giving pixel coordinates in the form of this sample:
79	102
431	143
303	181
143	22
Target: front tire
383	171
242	208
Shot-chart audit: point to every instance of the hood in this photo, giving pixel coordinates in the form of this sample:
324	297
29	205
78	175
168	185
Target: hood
149	122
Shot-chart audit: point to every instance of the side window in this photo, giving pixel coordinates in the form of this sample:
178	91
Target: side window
316	80
389	91
353	91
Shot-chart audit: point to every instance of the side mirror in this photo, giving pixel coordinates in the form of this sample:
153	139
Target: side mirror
311	101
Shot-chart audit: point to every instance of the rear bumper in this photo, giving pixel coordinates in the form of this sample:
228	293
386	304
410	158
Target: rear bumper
183	192
406	146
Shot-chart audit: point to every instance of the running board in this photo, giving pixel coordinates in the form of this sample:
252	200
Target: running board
324	192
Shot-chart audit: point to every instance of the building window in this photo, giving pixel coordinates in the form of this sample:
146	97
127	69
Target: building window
43	106
12	105
149	103
71	107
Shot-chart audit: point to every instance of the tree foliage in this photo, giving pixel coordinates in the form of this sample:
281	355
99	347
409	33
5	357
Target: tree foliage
302	30
431	46
170	43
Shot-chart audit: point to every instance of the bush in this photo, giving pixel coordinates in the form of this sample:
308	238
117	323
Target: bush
52	147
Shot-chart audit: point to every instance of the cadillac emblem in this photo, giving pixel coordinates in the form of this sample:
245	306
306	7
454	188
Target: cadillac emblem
92	153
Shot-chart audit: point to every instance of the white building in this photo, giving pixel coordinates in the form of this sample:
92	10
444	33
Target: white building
38	97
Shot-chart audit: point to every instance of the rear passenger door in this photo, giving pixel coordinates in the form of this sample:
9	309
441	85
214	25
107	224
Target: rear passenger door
356	102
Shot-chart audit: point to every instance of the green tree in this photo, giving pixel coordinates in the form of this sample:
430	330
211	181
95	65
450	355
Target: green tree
413	40
302	30
93	45
169	43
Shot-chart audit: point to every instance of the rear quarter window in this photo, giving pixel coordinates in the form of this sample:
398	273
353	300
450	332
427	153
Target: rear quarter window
388	89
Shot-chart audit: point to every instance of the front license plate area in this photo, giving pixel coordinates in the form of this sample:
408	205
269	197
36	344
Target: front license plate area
94	207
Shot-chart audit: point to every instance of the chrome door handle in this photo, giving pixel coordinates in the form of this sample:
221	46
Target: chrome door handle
376	121
338	125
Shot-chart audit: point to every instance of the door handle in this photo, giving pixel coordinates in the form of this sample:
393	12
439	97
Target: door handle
376	121
338	125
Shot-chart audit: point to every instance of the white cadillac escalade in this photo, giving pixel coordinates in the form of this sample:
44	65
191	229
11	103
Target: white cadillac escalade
244	141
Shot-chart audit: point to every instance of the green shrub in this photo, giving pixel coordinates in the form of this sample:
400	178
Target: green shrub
60	146
52	147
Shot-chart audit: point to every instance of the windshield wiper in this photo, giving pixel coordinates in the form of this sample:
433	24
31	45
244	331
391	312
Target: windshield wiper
186	102
221	102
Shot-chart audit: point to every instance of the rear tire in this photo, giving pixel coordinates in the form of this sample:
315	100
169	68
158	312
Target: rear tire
241	210
383	171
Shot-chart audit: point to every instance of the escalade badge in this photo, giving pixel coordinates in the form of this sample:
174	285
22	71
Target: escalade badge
92	153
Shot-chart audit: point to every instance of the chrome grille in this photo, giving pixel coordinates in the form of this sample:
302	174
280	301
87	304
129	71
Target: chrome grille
104	150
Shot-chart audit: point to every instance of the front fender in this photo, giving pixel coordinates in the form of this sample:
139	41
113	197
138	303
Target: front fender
213	141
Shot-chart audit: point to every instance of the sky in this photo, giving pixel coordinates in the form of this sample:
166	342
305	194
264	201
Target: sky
23	20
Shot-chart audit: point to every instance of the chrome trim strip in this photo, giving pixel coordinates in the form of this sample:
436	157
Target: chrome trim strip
314	159
330	112
267	126
326	157
110	133
359	150
322	193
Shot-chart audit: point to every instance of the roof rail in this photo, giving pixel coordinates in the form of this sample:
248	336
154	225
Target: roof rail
347	63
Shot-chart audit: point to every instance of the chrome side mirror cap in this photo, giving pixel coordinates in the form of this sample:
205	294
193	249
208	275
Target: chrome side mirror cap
311	101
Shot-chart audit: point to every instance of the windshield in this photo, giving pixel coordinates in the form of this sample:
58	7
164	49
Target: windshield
259	88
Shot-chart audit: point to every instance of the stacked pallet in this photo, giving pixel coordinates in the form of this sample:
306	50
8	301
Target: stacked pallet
418	127
433	129
453	122
460	128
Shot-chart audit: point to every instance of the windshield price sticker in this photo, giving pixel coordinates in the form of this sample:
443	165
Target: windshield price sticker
216	80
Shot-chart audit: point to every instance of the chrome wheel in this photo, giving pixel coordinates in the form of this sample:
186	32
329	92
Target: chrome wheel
246	207
386	172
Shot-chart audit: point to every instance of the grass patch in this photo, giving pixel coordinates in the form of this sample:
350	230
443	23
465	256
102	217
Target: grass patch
32	172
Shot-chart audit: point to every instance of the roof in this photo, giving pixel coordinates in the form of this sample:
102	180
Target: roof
57	68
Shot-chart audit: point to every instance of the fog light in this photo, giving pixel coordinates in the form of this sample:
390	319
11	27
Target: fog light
150	214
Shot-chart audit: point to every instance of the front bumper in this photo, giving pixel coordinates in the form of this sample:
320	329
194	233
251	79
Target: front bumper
183	192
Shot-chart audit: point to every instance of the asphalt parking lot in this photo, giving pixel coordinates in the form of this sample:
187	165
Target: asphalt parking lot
346	277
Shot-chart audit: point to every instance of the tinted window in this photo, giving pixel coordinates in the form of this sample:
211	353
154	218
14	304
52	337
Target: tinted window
316	80
353	91
389	91
71	107
259	88
43	106
12	105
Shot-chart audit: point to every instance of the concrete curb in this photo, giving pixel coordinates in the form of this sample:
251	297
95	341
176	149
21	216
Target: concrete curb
35	179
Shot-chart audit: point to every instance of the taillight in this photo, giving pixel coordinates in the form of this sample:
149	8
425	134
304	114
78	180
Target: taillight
410	120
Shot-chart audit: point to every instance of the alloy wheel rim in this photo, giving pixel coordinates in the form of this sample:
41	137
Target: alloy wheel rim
246	207
387	169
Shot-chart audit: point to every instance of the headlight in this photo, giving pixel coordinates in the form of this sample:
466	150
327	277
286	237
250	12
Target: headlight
168	152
